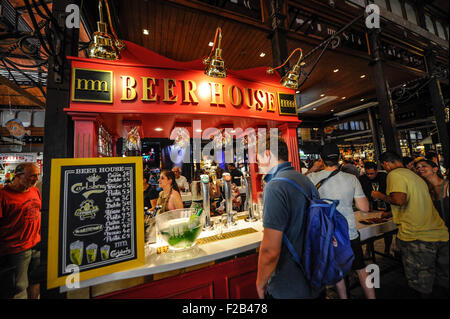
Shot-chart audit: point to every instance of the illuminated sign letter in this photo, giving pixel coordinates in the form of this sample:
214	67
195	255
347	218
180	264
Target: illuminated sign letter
270	102
259	96
128	86
169	95
189	91
248	97
216	90
148	89
238	101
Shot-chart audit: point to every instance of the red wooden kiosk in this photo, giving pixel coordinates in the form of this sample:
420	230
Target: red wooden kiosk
150	91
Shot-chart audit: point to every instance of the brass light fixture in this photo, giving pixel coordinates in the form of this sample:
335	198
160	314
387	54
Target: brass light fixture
104	46
290	80
215	67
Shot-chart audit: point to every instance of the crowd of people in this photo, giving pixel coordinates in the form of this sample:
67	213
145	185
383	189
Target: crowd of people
411	196
172	184
372	176
413	191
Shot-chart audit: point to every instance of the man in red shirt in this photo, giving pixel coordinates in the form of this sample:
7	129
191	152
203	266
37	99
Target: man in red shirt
20	234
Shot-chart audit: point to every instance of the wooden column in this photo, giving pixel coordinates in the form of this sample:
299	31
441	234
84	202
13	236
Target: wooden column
385	106
278	36
85	134
289	134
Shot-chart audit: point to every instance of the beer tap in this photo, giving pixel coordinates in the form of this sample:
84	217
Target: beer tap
249	198
206	201
228	201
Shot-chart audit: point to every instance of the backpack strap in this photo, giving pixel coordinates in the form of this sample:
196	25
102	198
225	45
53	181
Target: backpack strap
294	254
286	241
442	195
320	183
290	181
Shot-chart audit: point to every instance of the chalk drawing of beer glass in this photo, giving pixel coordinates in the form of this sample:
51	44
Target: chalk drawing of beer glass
76	252
104	252
91	253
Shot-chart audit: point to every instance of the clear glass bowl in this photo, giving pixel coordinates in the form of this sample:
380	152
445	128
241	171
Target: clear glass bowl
180	228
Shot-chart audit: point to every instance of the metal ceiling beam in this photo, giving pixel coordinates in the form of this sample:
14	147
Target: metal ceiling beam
22	92
38	4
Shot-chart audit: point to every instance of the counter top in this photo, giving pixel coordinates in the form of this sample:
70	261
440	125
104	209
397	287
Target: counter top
219	249
369	231
204	253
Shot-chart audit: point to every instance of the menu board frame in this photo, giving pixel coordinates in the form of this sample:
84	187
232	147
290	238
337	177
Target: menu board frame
56	215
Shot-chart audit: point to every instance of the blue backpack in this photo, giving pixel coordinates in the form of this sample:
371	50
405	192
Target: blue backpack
327	255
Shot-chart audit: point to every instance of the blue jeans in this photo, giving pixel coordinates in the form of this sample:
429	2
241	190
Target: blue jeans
18	271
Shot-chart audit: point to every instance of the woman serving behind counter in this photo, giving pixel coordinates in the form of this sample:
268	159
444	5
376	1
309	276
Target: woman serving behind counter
169	198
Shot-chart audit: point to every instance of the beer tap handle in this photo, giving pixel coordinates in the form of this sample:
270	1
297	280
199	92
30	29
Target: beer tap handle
249	198
206	201
228	200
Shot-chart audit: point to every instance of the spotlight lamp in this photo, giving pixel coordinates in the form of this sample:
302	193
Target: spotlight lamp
105	46
215	66
290	80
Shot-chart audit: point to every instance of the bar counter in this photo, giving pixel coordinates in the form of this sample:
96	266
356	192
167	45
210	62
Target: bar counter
162	264
205	271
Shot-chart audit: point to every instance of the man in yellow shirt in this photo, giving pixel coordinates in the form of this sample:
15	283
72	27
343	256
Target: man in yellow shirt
422	234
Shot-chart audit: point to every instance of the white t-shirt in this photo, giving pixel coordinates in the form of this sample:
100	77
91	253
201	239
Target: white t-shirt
182	183
343	187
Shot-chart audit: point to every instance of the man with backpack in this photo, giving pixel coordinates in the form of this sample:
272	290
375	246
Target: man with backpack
337	185
285	212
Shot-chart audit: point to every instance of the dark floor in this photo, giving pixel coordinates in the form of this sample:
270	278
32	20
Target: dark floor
393	283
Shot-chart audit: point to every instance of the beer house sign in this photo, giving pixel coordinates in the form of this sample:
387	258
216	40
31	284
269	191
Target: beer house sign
128	87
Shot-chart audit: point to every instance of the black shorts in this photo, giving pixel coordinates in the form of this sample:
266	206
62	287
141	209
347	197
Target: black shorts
358	263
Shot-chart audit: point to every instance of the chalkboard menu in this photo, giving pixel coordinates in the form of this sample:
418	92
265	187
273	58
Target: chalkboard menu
96	214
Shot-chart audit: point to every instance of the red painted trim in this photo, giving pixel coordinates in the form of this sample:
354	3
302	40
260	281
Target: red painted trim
219	281
289	134
85	134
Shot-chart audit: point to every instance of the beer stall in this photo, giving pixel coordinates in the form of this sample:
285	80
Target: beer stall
143	94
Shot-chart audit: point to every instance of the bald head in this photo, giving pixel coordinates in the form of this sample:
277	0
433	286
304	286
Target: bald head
23	167
26	175
177	171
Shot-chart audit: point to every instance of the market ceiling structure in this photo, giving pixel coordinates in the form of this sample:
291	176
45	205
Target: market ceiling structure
23	58
182	30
